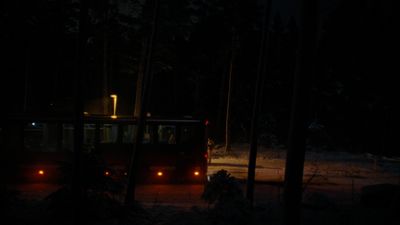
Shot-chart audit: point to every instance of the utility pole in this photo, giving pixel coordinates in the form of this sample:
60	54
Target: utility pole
261	70
299	115
141	111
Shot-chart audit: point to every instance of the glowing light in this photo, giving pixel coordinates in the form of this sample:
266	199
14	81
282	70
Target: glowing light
114	97
207	122
159	173
107	173
40	172
196	173
33	124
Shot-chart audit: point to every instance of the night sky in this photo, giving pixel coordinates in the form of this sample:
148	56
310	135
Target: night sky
353	93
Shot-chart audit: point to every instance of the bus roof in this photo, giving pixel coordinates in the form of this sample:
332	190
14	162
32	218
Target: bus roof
100	118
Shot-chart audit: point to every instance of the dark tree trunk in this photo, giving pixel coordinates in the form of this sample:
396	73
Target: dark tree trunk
261	70
229	94
77	187
106	97
146	87
221	106
299	115
27	74
139	81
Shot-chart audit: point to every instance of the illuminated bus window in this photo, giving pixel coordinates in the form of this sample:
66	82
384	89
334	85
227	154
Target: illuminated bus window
129	134
166	134
148	135
108	133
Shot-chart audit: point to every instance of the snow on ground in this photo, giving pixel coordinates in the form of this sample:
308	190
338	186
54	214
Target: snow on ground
328	176
339	174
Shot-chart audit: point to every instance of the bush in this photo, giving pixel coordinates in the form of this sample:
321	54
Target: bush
230	206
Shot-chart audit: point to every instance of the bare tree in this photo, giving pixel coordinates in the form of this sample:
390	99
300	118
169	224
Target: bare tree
299	117
261	70
77	188
105	58
144	96
228	101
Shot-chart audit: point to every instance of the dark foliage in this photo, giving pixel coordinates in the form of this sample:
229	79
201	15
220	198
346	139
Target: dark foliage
229	204
99	197
353	94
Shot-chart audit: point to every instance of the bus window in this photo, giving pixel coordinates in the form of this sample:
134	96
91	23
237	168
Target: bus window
41	137
190	135
33	136
89	134
128	133
108	133
50	137
166	134
68	137
148	135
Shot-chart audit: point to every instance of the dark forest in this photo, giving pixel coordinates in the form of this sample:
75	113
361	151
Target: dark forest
197	46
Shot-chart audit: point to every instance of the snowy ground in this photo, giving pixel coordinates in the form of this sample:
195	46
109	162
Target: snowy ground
331	179
339	174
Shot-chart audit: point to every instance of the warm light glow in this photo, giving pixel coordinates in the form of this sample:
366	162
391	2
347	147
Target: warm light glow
41	172
114	97
196	173
159	173
106	173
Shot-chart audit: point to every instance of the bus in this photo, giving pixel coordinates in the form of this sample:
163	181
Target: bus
173	149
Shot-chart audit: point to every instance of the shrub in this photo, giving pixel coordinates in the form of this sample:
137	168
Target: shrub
230	206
